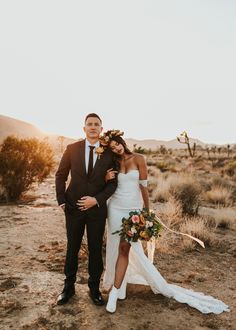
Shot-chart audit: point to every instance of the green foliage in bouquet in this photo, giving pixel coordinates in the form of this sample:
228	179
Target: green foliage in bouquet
140	225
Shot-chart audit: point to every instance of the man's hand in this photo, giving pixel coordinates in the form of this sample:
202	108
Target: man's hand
86	202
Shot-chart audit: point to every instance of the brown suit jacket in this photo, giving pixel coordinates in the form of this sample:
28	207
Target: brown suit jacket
73	162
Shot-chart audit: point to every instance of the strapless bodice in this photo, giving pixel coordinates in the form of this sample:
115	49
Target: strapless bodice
127	194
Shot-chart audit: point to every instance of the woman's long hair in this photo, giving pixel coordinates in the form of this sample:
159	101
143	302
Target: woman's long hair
116	157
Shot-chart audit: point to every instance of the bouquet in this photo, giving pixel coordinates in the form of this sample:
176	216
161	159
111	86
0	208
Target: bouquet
140	225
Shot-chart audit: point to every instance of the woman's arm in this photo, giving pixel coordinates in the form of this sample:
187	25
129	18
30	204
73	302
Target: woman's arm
143	174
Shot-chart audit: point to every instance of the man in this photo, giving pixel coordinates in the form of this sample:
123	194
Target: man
84	204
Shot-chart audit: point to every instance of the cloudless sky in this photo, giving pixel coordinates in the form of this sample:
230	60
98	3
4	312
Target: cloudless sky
150	68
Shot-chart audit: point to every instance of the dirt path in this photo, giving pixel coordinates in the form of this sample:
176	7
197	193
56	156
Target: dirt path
32	250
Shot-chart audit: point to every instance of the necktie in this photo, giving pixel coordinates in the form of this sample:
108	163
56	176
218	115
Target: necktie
90	163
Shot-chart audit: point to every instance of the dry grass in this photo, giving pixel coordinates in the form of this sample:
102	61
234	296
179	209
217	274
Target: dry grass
230	168
153	178
171	212
198	228
161	192
165	182
171	215
219	195
225	218
165	166
180	194
184	188
220	182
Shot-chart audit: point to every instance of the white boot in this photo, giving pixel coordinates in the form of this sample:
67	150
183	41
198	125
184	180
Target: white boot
112	300
122	290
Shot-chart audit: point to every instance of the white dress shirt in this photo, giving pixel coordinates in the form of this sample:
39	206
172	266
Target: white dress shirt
87	150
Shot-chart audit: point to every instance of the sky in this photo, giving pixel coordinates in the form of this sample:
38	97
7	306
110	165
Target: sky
150	68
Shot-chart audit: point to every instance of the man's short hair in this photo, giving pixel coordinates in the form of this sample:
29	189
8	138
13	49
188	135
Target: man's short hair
92	115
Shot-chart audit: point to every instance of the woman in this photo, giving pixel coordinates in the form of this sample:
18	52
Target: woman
125	262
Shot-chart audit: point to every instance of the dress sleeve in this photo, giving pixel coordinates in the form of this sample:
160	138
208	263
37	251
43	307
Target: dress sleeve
144	183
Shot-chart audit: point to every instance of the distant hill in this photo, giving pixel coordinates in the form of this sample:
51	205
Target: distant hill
22	129
154	144
12	126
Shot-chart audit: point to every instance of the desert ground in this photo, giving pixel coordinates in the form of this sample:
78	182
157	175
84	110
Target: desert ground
33	242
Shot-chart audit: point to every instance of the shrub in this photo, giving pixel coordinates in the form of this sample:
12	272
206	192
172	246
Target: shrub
221	182
231	168
23	162
188	193
225	218
171	212
219	195
161	192
199	229
165	166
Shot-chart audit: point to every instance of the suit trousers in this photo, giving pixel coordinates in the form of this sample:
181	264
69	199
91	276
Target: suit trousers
75	227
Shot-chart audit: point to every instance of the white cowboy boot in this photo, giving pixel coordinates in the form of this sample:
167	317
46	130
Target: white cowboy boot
112	300
122	290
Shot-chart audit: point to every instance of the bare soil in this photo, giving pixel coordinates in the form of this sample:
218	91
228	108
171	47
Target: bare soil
32	252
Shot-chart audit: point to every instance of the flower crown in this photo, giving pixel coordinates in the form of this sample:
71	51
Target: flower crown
106	138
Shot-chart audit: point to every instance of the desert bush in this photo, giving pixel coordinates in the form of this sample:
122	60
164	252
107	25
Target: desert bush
198	228
153	172
184	188
23	162
220	182
218	163
204	183
164	166
171	215
219	195
152	184
224	218
151	162
171	212
161	192
230	168
188	193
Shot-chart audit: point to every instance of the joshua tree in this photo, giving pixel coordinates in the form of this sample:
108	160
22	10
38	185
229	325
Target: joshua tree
208	151
213	149
185	140
228	150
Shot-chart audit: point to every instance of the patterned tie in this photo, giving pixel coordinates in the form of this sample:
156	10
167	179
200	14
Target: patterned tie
90	163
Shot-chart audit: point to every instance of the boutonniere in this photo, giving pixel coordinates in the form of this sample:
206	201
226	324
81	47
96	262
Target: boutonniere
99	151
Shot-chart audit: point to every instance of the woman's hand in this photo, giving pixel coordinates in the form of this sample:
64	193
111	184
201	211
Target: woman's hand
110	174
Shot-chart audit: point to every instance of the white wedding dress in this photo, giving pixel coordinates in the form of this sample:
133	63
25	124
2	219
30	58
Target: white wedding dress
141	270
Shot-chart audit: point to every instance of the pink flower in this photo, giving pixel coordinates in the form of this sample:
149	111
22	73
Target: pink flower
135	219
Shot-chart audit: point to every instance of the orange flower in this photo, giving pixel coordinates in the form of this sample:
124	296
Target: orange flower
142	219
99	151
143	234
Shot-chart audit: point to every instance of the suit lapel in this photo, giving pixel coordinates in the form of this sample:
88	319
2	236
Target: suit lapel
81	155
